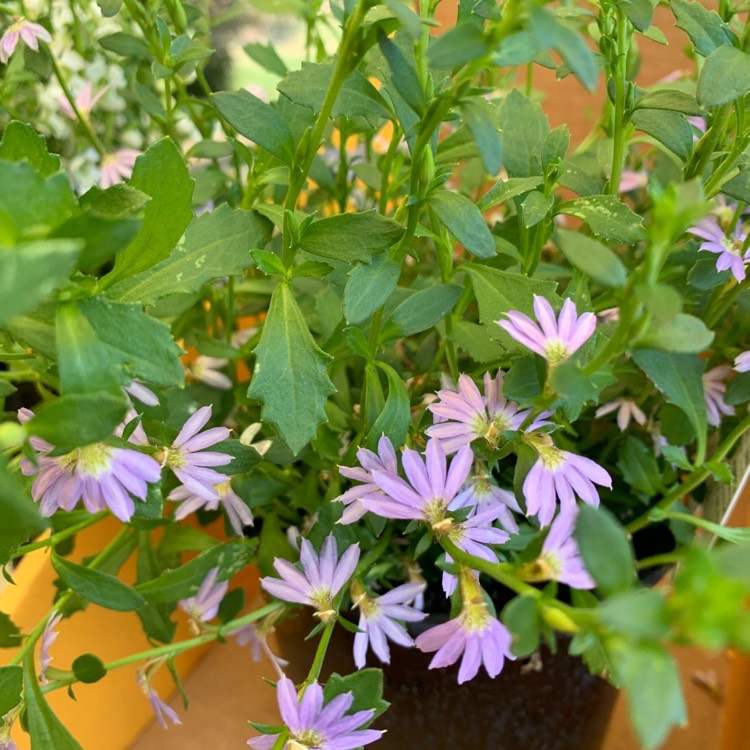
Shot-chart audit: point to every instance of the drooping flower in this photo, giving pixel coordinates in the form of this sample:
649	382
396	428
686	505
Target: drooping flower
626	410
742	362
481	493
475	634
161	710
238	513
714	389
139	392
560	474
204	606
430	490
49	636
384	460
85	101
208	370
190	462
379	618
631	180
555	339
254	636
321	578
315	726
249	434
117	167
28	32
99	474
728	248
467	415
560	558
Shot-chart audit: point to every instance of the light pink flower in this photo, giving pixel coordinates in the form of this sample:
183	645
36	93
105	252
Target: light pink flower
626	410
714	389
238	513
204	606
742	362
161	710
117	167
28	32
49	636
632	180
207	370
85	101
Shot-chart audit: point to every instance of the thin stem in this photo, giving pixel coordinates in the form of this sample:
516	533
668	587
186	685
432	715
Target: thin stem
60	536
667	558
618	127
320	654
707	144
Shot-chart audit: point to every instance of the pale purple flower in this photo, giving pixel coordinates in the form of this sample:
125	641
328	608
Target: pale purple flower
238	513
626	410
161	710
99	474
610	315
384	460
560	558
742	362
480	493
475	634
190	462
139	392
379	620
255	637
208	370
321	578
729	249
204	606
28	32
7	742
249	434
555	339
431	487
699	123
467	415
714	389
315	725
85	101
49	636
560	474
117	167
631	180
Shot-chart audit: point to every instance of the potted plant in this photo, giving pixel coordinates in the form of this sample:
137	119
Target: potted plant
491	371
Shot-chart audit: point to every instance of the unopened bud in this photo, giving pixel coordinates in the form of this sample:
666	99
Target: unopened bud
326	615
559	620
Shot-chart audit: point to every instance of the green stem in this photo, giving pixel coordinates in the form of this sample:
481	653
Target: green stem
695	478
707	144
320	653
60	536
667	558
618	126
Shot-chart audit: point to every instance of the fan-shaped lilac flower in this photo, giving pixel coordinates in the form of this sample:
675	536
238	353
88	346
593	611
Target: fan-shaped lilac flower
729	249
254	636
475	634
6	741
208	370
99	474
714	389
321	579
626	410
85	101
481	493
384	460
139	392
560	474
49	636
557	338
379	618
204	606
28	32
189	461
560	559
632	180
467	415
161	710
117	167
316	726
238	513
742	362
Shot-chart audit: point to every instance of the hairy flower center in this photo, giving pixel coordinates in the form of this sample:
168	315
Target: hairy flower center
733	246
174	458
91	459
308	738
555	351
552	457
369	608
322	599
475	616
434	511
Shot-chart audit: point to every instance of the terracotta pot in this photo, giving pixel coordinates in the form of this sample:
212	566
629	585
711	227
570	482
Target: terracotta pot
559	707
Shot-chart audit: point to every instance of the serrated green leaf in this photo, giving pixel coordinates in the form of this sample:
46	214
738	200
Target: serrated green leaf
290	377
482	122
267	57
671	100
403	73
669	128
724	77
637	463
117	202
705	28
503	191
607	217
368	286
366	686
464	221
593	258
535	207
524	127
21	142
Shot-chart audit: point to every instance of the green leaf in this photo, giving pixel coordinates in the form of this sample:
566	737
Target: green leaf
651	681
393	420
464	221
99	588
535	207
473	339
182	582
117	202
258	121
22	143
21	519
682	333
77	420
705	28
403	73
290	377
160	173
671	100
556	145
639	12
357	97
267	57
577	56
607	217
421	310
524	126
482	122
411	23
88	668
637	463
593	258
11	682
738	389
605	549
366	686
32	271
503	191
216	244
109	7
10	633
680	378
724	77
350	237
521	617
244	457
669	128
368	286
457	46
641	613
45	728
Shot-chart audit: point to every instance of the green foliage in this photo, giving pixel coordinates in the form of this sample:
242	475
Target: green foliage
521	617
462	219
524	127
705	28
724	77
11	682
421	310
607	217
20	142
593	258
21	519
88	668
366	686
393	419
